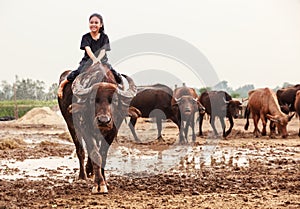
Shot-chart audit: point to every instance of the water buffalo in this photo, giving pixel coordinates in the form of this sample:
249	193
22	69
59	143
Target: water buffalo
94	115
219	104
153	101
286	98
297	106
184	106
263	104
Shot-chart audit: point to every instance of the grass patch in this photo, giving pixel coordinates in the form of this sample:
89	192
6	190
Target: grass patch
7	108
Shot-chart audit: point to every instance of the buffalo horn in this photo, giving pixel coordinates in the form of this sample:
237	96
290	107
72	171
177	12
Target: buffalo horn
131	91
177	100
226	102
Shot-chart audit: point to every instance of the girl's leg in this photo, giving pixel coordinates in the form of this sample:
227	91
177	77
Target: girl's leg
70	78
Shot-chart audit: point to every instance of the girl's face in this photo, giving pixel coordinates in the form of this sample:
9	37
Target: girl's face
95	24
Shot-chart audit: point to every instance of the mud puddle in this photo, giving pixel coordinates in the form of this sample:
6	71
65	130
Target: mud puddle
124	160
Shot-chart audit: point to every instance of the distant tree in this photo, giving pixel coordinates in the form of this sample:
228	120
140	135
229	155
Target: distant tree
243	91
27	89
223	85
235	95
39	90
204	89
6	91
30	89
286	84
52	92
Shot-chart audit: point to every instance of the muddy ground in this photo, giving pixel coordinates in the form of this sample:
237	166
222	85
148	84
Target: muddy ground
39	169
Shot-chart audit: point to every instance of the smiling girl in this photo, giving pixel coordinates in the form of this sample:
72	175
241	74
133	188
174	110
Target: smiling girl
95	44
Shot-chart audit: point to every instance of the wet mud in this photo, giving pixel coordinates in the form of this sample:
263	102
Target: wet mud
39	169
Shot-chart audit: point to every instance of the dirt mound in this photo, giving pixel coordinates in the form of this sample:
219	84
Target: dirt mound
41	116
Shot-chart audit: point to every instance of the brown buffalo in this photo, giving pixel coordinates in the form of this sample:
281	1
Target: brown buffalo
263	104
219	104
153	101
184	106
286	98
95	117
297	106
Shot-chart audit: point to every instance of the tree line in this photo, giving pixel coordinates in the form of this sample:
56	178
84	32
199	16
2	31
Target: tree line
27	89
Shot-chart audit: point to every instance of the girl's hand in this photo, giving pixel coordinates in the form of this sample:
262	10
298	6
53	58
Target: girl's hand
95	61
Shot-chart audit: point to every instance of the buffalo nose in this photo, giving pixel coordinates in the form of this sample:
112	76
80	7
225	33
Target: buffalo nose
103	120
187	109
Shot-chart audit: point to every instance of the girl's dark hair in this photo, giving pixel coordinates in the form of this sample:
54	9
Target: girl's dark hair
101	30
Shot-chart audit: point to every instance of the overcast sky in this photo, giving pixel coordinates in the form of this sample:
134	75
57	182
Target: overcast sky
246	41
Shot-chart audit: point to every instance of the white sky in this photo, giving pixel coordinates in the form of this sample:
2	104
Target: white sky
246	41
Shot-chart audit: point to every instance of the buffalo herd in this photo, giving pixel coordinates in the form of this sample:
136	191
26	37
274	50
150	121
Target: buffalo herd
94	107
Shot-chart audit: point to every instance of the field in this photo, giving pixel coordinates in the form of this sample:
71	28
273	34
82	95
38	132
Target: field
39	168
9	108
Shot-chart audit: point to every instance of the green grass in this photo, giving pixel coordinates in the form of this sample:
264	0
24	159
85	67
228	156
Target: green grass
7	108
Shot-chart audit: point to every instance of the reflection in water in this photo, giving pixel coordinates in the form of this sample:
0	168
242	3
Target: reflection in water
127	161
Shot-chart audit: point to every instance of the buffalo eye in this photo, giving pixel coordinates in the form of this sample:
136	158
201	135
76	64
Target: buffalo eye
97	100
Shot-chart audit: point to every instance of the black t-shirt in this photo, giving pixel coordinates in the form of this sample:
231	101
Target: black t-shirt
96	46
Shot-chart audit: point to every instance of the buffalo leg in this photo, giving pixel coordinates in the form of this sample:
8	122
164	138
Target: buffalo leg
212	123
272	129
186	129
159	127
264	123
89	168
79	152
105	144
222	121
131	124
192	124
255	122
181	137
246	115
201	116
96	159
230	127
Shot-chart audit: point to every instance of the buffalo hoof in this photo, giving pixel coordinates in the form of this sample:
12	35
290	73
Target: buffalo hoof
138	141
102	189
227	133
160	138
82	176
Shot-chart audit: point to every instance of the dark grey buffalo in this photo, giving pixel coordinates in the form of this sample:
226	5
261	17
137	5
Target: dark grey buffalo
185	105
297	106
219	104
286	98
152	101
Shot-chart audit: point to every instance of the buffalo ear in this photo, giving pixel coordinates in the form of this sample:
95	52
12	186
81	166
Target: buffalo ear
74	108
291	116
